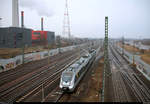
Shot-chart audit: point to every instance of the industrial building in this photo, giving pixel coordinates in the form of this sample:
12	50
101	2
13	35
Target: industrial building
42	37
15	37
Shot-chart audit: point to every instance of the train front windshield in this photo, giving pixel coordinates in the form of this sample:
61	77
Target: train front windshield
67	77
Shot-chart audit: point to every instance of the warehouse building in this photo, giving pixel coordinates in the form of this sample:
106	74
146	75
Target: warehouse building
14	37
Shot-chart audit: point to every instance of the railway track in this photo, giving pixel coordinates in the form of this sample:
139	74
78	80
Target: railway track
24	79
39	70
35	94
12	91
59	96
142	92
52	83
47	77
138	88
121	94
12	75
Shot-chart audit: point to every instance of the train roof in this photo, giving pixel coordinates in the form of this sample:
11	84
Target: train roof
92	50
75	67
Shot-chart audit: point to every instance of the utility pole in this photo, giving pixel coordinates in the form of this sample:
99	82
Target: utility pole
22	26
133	53
42	20
59	43
122	45
106	61
48	45
79	51
48	54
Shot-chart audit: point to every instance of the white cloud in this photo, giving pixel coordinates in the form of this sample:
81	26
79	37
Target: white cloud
43	7
87	16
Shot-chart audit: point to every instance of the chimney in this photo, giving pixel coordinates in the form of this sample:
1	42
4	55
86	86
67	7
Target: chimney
22	19
42	29
15	14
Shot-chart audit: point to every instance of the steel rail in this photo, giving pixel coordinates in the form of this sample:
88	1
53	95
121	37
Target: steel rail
139	88
46	69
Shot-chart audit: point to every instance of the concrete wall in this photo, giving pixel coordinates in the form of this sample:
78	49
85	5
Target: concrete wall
7	64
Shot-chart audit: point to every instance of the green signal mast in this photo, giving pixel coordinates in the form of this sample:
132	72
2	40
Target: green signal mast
106	61
106	43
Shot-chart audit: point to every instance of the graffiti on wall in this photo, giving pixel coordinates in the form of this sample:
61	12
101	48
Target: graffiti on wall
28	59
18	62
6	64
10	65
37	57
45	54
1	67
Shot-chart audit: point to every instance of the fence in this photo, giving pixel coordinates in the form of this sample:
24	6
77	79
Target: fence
143	67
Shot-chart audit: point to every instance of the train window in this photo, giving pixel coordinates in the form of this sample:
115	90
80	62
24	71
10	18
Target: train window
76	78
79	74
81	60
71	68
78	63
67	77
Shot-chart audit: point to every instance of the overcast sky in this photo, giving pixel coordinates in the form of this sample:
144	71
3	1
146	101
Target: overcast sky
126	17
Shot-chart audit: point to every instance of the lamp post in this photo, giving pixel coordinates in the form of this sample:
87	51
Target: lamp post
122	46
59	43
48	53
22	26
133	53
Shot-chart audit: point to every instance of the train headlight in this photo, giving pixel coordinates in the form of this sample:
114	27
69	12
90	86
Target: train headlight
70	87
60	86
